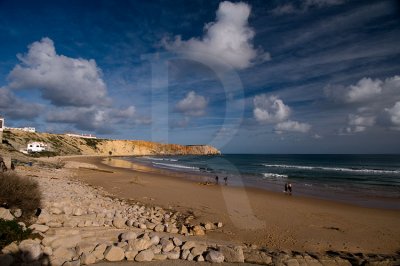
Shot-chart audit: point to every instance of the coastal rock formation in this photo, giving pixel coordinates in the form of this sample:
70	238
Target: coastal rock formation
67	145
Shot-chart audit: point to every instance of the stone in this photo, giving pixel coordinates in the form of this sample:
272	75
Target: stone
128	236
11	248
145	255
258	258
189	244
48	251
30	250
55	211
85	247
39	228
210	226
119	223
54	224
131	254
292	262
140	244
160	257
64	253
17	213
159	228
219	224
6	214
114	253
66	242
6	260
155	239
173	255
183	230
70	223
215	256
44	217
167	246
71	263
199	258
198	250
78	212
232	254
190	257
198	231
177	241
185	254
88	258
98	251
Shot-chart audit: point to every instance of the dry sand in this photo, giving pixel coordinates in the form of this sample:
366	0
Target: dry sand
254	216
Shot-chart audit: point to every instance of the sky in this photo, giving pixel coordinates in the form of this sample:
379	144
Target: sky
308	76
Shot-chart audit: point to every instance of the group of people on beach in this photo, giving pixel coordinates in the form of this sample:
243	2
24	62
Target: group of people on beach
225	180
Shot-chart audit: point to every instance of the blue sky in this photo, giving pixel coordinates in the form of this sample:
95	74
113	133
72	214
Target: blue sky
310	76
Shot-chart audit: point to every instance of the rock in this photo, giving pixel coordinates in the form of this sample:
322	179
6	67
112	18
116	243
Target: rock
210	226
199	258
167	246
234	254
71	263
39	227
119	223
88	258
66	242
65	254
6	214
23	225
10	249
190	257
78	212
145	255
6	260
128	236
185	254
70	223
258	258
43	218
17	213
140	244
189	244
173	255
55	211
160	257
114	253
215	257
155	240
98	251
159	228
219	224
30	250
292	262
131	254
85	247
54	224
183	230
47	251
198	231
198	250
177	241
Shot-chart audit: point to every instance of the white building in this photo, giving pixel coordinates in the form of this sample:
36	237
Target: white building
26	129
83	136
1	129
36	147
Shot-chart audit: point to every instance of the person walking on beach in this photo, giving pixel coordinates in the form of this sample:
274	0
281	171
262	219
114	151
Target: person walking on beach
286	187
216	179
290	188
226	180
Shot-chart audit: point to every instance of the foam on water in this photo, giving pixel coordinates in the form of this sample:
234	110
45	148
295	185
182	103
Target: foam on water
337	169
179	166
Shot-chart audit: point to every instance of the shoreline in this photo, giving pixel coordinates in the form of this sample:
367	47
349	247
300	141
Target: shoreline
256	216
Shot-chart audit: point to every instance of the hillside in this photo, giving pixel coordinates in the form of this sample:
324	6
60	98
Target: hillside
66	145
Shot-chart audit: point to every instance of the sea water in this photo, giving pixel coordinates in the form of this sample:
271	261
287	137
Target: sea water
367	180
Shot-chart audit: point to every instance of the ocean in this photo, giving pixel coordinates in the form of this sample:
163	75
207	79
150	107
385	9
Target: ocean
366	180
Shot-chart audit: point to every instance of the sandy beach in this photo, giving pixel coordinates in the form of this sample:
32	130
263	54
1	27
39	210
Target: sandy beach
266	219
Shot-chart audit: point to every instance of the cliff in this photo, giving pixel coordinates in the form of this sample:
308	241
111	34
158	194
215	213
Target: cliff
66	145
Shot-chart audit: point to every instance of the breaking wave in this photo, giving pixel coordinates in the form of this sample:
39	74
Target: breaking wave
337	169
177	166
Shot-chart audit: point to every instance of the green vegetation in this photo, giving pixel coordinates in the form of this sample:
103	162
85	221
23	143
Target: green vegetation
43	154
20	192
11	231
92	143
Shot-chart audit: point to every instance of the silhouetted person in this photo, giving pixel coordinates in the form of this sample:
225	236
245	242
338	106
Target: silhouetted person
226	180
290	188
286	187
216	179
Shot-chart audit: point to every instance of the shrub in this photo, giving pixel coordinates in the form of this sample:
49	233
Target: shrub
11	231
20	192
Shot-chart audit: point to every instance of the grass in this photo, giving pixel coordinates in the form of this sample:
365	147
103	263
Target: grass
20	192
11	231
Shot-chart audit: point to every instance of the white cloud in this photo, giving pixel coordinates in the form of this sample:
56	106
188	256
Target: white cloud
270	109
63	80
192	104
16	108
358	123
394	115
292	126
365	89
228	39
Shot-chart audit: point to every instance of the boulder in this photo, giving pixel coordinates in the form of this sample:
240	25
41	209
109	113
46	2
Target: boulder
189	244
145	255
185	254
78	212
215	257
69	263
155	239
6	214
198	230
232	254
65	254
131	254
258	258
66	242
183	230
160	257
98	251
114	253
140	244
44	217
119	222
177	241
128	236
39	227
173	255
88	258
210	226
198	250
10	249
159	228
199	258
30	250
167	246
48	251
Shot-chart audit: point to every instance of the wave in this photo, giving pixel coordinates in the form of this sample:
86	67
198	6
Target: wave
160	159
177	166
274	176
338	169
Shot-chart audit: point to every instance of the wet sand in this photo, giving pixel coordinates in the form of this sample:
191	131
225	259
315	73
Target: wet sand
253	216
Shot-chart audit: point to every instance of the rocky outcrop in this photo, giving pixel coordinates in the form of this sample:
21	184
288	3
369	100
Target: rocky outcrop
67	145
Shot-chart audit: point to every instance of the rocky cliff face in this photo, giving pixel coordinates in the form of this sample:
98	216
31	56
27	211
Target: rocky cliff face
66	145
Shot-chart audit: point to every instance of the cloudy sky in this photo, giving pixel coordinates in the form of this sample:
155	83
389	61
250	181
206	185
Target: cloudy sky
309	76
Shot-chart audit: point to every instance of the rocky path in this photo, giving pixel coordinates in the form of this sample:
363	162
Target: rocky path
82	225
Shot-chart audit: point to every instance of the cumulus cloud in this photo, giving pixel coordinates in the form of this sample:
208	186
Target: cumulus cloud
228	39
192	105
270	109
13	107
394	115
358	123
304	6
365	89
63	80
292	126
